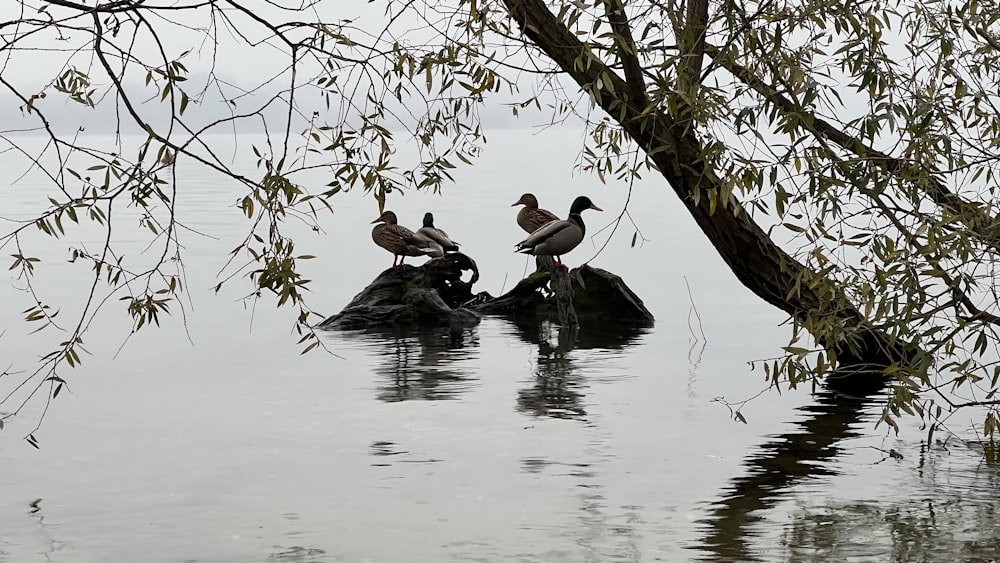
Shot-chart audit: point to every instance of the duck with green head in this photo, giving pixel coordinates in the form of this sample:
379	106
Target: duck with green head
399	240
559	237
435	234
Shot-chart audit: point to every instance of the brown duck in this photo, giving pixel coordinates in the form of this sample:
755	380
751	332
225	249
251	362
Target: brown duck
531	217
399	240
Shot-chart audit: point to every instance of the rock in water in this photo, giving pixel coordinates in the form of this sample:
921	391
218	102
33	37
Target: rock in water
427	295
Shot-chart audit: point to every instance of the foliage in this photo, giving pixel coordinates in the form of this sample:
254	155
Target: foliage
862	137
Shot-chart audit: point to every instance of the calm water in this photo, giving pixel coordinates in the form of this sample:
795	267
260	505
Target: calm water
221	443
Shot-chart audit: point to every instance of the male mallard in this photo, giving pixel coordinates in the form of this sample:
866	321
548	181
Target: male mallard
437	235
531	217
559	237
399	240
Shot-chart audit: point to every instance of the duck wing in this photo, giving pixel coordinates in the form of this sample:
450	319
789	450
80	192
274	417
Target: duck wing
544	233
533	218
401	241
439	237
428	245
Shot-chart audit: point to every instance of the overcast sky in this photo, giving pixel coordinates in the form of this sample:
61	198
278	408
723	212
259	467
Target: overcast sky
33	63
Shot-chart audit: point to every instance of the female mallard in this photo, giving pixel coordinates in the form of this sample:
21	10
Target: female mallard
437	235
399	240
531	217
559	237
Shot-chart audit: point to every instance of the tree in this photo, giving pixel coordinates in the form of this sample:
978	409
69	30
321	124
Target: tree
840	157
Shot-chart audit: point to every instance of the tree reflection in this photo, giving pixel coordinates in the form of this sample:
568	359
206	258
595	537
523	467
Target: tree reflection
954	525
422	364
557	387
780	464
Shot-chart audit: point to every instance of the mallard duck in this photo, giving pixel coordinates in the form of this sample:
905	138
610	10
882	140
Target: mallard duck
531	217
559	237
399	240
437	235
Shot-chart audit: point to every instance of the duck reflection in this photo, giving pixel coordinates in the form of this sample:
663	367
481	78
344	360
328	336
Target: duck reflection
557	387
423	364
772	473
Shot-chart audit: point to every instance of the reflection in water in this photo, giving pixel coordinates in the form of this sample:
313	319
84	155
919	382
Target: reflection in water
51	544
949	527
953	518
420	364
603	532
387	450
557	388
782	463
297	554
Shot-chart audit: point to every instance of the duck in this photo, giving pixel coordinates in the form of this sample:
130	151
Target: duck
531	217
439	237
399	240
559	237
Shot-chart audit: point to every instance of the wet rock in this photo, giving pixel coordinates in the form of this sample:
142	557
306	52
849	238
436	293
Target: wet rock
427	295
568	296
433	294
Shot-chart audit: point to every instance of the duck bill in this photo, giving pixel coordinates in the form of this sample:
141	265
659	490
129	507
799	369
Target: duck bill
595	208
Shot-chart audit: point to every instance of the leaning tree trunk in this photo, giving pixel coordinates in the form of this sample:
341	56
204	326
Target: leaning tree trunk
673	146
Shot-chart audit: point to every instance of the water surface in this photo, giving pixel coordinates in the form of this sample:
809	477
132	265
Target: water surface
213	439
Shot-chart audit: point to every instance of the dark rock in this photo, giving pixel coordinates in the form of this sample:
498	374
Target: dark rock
567	296
433	294
427	295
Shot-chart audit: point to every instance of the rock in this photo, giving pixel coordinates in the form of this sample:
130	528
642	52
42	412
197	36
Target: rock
427	295
433	294
567	296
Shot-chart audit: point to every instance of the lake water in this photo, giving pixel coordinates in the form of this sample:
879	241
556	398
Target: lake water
212	439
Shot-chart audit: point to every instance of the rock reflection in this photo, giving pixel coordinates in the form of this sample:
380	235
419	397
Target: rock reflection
557	388
771	473
423	364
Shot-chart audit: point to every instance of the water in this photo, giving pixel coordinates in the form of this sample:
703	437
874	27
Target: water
213	439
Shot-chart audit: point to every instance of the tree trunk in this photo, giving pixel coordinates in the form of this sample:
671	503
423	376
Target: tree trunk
673	146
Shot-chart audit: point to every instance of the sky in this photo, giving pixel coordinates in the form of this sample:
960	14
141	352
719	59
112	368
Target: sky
36	59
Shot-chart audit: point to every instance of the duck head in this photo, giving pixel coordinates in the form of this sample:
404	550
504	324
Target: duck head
389	218
581	203
527	200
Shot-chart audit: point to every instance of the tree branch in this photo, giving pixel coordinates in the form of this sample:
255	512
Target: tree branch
971	214
627	53
762	266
